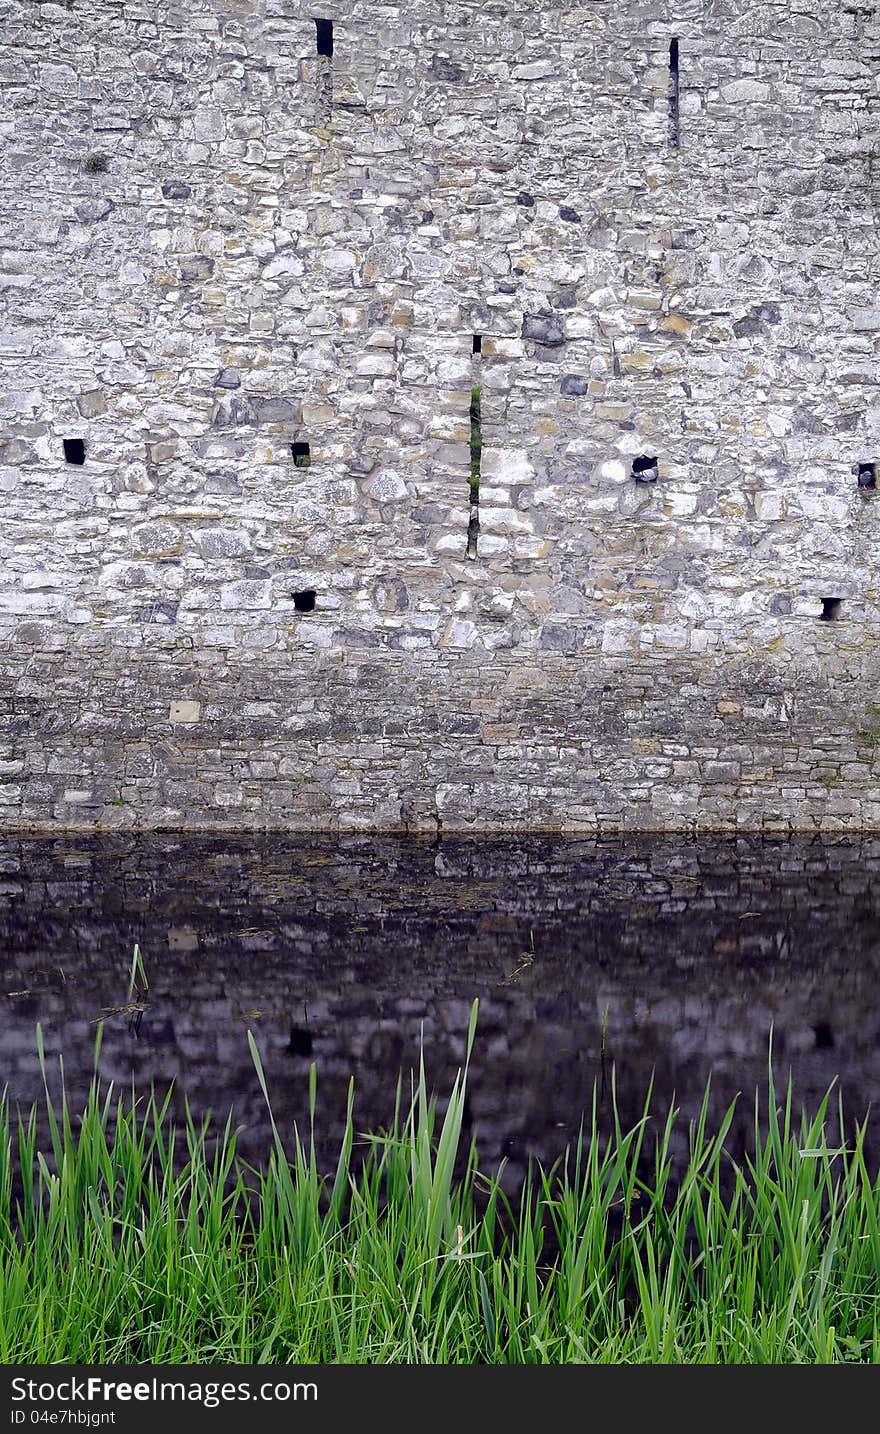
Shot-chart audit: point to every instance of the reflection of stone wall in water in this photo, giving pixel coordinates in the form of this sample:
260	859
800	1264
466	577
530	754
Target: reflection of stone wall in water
226	244
694	948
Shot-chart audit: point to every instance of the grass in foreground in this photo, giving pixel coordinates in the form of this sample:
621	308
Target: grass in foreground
137	1242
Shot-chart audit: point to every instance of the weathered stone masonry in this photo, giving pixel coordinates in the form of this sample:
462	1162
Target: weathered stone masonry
219	243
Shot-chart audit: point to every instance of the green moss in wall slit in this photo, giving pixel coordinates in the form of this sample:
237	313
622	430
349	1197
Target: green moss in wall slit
476	442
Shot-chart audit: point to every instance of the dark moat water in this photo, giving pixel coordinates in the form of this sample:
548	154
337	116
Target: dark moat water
340	951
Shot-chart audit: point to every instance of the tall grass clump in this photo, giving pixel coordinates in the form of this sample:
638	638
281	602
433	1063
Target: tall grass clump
134	1239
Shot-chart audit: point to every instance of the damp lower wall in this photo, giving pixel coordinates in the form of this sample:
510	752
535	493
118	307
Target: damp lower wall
475	427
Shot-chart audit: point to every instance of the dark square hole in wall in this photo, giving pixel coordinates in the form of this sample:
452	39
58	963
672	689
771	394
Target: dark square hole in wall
477	346
302	455
830	609
304	601
645	469
74	450
325	37
867	475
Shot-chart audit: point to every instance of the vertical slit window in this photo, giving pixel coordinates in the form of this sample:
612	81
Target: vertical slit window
674	97
324	76
324	30
476	458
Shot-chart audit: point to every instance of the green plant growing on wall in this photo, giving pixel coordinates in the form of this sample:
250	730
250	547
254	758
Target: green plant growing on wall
476	442
869	730
96	163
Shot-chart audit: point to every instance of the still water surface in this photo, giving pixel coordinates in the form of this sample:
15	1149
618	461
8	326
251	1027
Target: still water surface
342	950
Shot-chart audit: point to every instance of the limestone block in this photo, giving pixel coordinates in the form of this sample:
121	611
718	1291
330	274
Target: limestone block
184	712
507	465
246	595
387	486
459	632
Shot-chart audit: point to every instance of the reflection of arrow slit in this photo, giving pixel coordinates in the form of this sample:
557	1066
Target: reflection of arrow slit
602	1044
301	1042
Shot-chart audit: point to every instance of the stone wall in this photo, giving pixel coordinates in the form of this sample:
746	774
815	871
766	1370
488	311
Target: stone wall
220	243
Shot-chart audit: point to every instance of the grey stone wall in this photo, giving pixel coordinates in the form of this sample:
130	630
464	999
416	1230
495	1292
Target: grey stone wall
218	244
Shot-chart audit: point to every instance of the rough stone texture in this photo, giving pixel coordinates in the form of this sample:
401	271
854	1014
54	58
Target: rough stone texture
285	248
693	947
